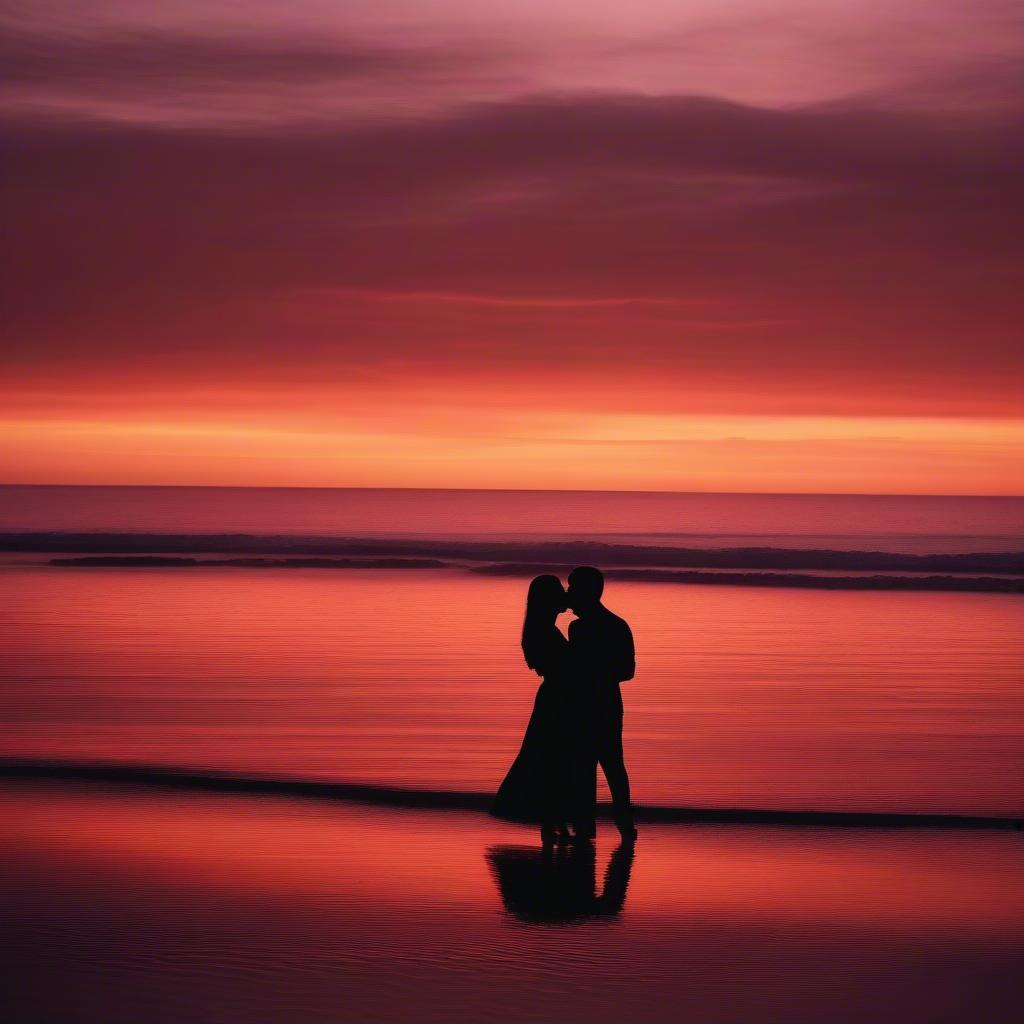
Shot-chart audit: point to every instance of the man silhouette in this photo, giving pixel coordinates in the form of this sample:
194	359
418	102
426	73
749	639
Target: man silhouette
601	646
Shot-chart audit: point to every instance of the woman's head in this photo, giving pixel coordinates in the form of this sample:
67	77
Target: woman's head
545	600
546	596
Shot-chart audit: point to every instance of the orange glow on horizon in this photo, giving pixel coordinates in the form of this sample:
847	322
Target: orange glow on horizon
469	448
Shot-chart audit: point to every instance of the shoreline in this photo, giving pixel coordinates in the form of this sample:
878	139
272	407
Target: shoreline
157	776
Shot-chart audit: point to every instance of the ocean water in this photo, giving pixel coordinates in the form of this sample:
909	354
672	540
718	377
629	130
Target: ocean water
748	697
234	653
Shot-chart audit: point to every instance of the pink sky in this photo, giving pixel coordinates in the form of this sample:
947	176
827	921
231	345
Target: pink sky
683	246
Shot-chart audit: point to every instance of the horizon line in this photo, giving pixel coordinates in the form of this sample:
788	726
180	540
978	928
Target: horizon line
520	490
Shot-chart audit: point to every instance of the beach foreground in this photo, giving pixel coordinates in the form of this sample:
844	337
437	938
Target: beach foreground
128	904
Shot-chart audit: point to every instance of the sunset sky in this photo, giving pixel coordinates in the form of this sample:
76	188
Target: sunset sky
667	244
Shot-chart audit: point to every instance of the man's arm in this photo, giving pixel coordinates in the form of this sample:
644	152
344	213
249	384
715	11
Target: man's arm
577	655
625	656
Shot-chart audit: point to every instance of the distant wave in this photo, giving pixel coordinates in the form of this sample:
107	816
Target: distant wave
545	553
980	584
173	561
987	584
449	800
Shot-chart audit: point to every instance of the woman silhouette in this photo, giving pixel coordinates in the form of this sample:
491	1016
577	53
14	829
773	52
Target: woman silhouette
537	787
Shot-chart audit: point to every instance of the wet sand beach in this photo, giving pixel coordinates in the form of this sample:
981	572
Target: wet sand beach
122	903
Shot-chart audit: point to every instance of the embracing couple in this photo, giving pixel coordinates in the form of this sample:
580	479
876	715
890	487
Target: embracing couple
577	716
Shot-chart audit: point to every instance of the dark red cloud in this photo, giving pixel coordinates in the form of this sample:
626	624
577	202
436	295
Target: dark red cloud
154	60
854	254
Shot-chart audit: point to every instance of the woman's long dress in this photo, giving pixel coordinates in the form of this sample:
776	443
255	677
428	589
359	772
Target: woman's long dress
537	788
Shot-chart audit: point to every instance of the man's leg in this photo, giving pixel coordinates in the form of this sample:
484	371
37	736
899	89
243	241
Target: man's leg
584	795
613	763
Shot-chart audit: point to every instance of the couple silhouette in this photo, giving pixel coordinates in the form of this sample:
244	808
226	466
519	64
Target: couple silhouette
576	723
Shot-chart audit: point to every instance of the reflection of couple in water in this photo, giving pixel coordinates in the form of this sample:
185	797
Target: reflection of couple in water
558	885
577	716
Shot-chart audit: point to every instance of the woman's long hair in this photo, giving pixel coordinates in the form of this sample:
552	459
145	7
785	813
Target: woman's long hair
544	600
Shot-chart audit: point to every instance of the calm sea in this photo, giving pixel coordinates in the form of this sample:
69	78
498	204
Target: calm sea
744	697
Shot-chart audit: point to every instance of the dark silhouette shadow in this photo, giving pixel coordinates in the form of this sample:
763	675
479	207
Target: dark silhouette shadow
602	657
558	885
538	786
467	801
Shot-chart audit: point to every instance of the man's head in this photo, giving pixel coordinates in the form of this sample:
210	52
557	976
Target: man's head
586	584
